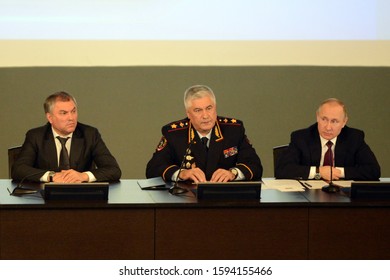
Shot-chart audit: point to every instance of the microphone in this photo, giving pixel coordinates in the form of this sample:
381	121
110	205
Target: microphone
176	189
331	188
20	190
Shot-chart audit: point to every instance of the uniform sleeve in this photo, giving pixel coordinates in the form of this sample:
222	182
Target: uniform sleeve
248	161
162	164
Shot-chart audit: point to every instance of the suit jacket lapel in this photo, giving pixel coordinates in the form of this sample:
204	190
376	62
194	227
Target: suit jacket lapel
213	156
49	148
76	148
215	150
340	152
315	148
209	164
198	153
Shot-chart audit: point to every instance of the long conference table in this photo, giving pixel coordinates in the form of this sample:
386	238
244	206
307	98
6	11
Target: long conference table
147	225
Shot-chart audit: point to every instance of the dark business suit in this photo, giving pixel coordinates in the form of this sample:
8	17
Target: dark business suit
39	154
228	147
351	152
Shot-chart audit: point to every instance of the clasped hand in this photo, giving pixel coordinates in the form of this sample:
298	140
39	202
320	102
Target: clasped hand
325	173
70	176
197	175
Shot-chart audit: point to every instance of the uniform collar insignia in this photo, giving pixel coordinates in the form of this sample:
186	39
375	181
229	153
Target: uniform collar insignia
191	132
217	132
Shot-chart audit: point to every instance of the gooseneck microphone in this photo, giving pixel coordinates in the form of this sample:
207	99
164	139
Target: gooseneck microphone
331	188
176	189
20	190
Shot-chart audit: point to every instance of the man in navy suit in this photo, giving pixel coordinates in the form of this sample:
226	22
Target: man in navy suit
87	157
224	154
349	157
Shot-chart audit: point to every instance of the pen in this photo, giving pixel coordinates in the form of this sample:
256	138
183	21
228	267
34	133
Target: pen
308	185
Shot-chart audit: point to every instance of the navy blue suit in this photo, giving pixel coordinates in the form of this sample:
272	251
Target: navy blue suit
351	152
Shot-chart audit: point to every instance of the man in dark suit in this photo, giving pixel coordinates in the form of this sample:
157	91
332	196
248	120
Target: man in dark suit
44	158
307	156
224	154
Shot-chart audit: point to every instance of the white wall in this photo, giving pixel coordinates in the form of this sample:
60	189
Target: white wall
173	32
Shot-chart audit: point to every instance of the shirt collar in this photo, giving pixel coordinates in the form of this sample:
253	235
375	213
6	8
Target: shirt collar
324	141
55	134
208	135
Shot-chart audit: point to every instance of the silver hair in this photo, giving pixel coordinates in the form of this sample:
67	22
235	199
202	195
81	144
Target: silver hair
52	99
197	91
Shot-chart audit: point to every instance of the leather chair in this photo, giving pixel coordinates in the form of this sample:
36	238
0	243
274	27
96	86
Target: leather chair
278	151
13	154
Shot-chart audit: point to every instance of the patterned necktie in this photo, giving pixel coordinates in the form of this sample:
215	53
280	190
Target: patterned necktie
64	156
328	157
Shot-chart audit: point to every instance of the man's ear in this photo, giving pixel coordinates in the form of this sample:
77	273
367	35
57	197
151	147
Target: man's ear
345	121
49	117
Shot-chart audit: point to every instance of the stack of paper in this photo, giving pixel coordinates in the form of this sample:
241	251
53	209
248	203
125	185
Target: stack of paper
283	185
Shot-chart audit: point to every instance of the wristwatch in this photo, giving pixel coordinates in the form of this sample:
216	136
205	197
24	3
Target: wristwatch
234	171
317	176
51	175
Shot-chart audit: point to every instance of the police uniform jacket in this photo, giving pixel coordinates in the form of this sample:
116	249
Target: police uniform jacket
228	147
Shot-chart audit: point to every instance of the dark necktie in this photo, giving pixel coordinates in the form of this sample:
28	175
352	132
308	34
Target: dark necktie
328	157
64	156
204	142
204	152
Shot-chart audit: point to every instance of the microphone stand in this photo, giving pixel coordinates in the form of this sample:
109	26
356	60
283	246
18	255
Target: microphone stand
176	189
331	188
19	190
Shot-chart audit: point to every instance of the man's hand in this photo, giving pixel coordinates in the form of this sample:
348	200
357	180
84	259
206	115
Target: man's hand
195	174
222	175
70	176
325	173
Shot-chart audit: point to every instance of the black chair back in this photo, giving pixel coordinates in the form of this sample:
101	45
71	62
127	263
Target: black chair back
278	151
13	154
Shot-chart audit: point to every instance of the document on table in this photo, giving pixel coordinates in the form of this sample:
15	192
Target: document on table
283	185
318	184
288	185
156	183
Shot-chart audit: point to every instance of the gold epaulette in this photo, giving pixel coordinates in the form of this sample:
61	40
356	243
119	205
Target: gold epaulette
178	125
229	121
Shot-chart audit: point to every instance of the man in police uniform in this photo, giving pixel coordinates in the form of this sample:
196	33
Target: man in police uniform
224	154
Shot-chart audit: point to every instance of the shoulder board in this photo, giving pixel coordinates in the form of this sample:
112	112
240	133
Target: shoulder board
228	121
177	125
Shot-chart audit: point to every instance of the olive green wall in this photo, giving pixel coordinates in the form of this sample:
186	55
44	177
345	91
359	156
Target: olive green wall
130	104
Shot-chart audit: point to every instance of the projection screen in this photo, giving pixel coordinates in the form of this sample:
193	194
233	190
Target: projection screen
174	32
